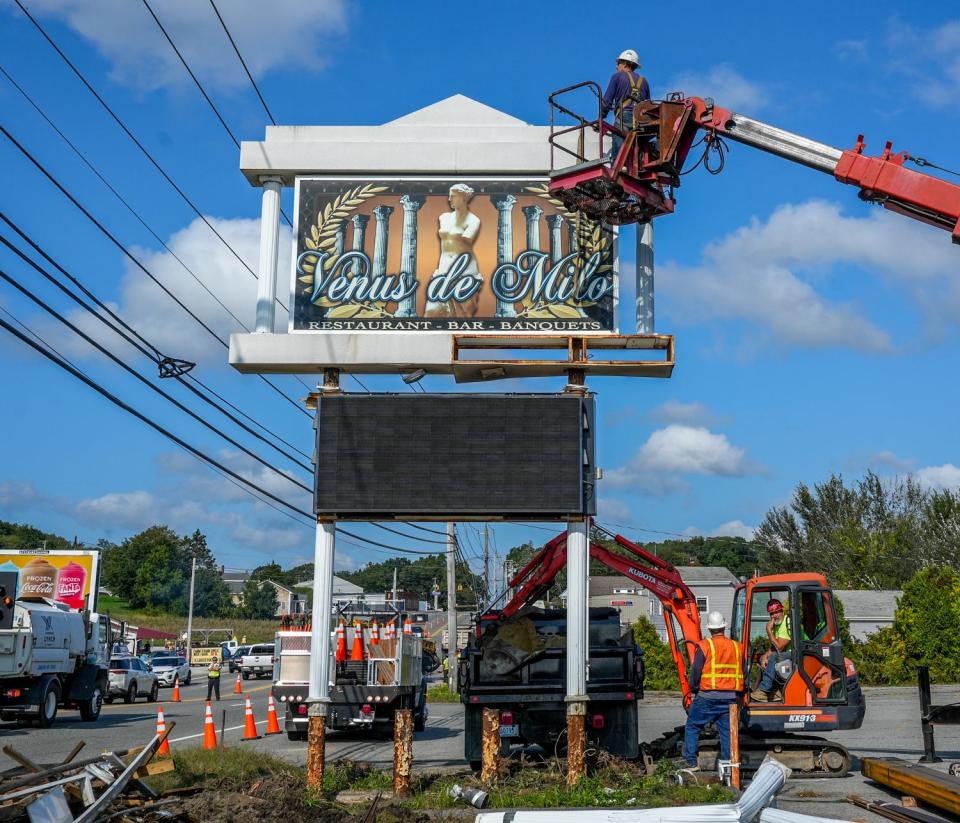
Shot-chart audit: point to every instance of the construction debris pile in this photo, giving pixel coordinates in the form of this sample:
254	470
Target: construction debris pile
108	786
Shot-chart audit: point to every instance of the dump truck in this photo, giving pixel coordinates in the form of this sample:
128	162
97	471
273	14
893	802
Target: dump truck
517	665
364	693
53	657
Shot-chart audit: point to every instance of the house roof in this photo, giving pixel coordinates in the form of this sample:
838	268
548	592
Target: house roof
863	604
692	575
340	586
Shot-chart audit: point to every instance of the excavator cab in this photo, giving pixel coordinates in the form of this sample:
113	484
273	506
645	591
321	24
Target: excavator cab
810	685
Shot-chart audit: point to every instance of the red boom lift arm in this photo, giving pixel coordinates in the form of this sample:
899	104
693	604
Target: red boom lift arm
657	576
638	184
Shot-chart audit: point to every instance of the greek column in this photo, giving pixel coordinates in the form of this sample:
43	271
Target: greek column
555	222
504	204
532	213
408	253
359	233
341	239
382	214
572	237
269	242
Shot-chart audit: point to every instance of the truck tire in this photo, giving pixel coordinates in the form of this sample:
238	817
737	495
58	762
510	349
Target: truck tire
131	695
90	708
187	681
293	736
49	704
246	675
154	692
419	722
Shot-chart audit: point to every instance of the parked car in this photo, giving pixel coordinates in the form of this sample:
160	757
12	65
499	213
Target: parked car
236	658
131	678
258	661
169	667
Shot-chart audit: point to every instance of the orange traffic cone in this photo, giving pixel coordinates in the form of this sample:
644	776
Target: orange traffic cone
175	698
341	655
238	689
356	653
161	728
273	724
249	724
209	730
375	633
407	626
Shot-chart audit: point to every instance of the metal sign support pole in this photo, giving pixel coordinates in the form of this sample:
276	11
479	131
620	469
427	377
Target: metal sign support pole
451	607
577	649
318	697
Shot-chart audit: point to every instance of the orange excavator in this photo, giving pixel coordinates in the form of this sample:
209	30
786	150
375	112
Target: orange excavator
817	688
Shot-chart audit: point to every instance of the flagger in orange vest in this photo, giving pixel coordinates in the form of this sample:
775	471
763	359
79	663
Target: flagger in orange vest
716	676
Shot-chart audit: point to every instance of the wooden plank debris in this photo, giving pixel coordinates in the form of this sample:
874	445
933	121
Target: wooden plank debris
925	784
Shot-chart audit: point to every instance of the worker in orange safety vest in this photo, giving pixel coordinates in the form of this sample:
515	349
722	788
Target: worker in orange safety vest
716	677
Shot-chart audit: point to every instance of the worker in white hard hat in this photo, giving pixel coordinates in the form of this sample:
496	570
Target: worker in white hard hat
716	677
625	89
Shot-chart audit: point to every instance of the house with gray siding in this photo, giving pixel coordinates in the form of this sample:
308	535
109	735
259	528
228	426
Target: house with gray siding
868	611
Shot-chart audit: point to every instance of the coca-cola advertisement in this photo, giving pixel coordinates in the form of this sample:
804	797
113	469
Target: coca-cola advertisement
67	577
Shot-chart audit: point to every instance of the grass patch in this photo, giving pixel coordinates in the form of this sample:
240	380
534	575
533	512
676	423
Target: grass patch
232	768
440	693
618	783
256	631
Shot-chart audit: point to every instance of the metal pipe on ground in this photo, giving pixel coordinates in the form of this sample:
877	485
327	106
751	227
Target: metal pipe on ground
402	751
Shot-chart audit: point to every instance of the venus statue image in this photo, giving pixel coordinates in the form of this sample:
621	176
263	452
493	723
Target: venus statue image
458	232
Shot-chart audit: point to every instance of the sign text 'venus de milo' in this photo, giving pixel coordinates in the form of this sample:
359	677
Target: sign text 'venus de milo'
448	255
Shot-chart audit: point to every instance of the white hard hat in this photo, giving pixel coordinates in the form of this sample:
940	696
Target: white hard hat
715	621
630	56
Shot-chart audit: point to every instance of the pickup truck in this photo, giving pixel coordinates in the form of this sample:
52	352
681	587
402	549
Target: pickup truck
258	661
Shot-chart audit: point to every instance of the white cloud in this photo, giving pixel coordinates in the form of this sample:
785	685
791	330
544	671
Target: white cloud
929	59
133	510
611	508
274	35
890	460
675	411
144	306
939	478
755	274
675	451
851	49
734	528
15	495
725	85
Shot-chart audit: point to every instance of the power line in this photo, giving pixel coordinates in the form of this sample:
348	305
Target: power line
144	418
130	134
117	194
133	342
63	364
54	313
128	254
243	63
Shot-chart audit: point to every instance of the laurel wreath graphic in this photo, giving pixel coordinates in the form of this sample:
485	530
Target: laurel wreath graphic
322	237
591	239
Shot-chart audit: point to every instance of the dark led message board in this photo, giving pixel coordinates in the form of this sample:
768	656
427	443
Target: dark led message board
455	456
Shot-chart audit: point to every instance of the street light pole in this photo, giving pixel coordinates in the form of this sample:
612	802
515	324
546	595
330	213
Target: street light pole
193	578
451	607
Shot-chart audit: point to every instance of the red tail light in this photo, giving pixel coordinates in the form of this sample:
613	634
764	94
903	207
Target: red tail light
506	718
597	721
367	708
118	671
11	692
302	708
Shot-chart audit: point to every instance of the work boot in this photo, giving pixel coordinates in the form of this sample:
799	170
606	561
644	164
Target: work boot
759	696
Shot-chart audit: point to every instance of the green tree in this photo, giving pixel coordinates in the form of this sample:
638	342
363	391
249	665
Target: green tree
259	601
23	536
659	667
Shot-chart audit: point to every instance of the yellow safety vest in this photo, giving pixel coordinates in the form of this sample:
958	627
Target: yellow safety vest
723	668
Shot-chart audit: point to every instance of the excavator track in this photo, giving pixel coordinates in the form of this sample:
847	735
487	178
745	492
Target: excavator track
808	756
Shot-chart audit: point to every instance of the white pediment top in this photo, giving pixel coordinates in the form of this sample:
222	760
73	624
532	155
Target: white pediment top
457	110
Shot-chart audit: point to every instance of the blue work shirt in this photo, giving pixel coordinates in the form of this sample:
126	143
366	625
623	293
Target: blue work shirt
619	88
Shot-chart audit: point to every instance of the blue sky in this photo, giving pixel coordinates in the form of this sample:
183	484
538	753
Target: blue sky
815	333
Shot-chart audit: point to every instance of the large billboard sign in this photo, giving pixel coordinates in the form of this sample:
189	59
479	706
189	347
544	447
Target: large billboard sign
452	255
69	577
455	456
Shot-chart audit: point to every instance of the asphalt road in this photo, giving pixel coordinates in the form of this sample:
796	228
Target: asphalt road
891	729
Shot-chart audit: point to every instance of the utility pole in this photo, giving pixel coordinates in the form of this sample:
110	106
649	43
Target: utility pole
486	566
394	595
193	577
451	607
